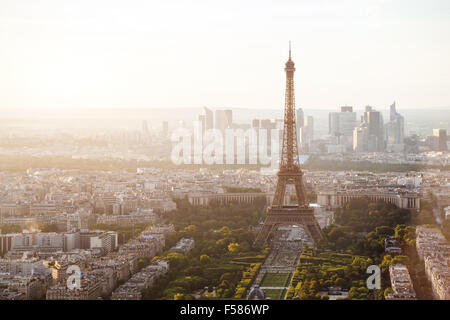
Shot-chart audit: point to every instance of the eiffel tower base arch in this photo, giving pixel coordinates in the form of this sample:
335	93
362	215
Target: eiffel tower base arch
289	215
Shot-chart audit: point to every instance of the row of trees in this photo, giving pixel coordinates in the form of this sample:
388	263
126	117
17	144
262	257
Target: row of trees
17	163
222	256
22	163
318	271
344	239
362	215
362	228
315	163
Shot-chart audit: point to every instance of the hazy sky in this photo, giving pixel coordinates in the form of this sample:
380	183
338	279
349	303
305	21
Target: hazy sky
229	53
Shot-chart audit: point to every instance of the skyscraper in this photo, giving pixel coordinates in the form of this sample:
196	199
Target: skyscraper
440	140
202	120
208	118
374	121
219	120
307	131
367	109
267	124
341	125
229	118
223	119
360	138
369	135
300	121
300	118
395	130
255	123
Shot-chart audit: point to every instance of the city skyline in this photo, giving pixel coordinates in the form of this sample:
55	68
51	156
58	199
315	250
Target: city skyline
89	54
129	171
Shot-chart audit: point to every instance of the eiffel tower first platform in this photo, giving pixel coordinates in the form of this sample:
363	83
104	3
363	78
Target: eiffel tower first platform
289	174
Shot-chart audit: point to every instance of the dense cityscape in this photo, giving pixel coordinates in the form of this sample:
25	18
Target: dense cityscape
117	226
190	164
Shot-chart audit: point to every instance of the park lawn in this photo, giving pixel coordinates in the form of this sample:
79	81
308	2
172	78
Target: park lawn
276	280
275	294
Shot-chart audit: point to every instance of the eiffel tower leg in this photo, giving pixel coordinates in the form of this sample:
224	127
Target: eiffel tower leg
263	235
301	193
315	231
280	192
312	227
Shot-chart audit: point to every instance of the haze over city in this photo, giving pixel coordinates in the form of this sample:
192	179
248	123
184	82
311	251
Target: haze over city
223	53
224	151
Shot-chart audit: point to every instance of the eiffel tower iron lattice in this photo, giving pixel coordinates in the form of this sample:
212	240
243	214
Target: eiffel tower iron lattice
289	173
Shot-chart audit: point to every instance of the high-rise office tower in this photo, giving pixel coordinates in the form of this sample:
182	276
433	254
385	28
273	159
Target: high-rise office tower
367	109
374	121
219	120
397	121
395	130
267	124
341	125
209	121
440	140
255	123
300	122
229	118
223	119
360	138
202	120
308	128
300	118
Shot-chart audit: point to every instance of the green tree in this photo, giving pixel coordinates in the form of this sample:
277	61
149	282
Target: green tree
234	247
179	296
388	291
205	259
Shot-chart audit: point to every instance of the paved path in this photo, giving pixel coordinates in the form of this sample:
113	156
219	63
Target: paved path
269	267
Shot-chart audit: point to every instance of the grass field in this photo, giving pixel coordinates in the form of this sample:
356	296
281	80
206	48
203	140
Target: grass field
276	280
275	294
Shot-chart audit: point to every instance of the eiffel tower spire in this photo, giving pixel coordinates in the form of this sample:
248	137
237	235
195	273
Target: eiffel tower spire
289	50
289	155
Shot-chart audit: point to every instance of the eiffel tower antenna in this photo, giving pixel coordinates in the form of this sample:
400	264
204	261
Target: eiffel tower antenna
289	50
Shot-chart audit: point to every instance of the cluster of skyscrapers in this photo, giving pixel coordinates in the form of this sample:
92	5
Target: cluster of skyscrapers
346	131
221	120
369	134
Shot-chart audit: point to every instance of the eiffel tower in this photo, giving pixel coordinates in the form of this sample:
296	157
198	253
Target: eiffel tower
289	174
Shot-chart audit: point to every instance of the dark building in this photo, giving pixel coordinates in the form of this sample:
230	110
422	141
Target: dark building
5	243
